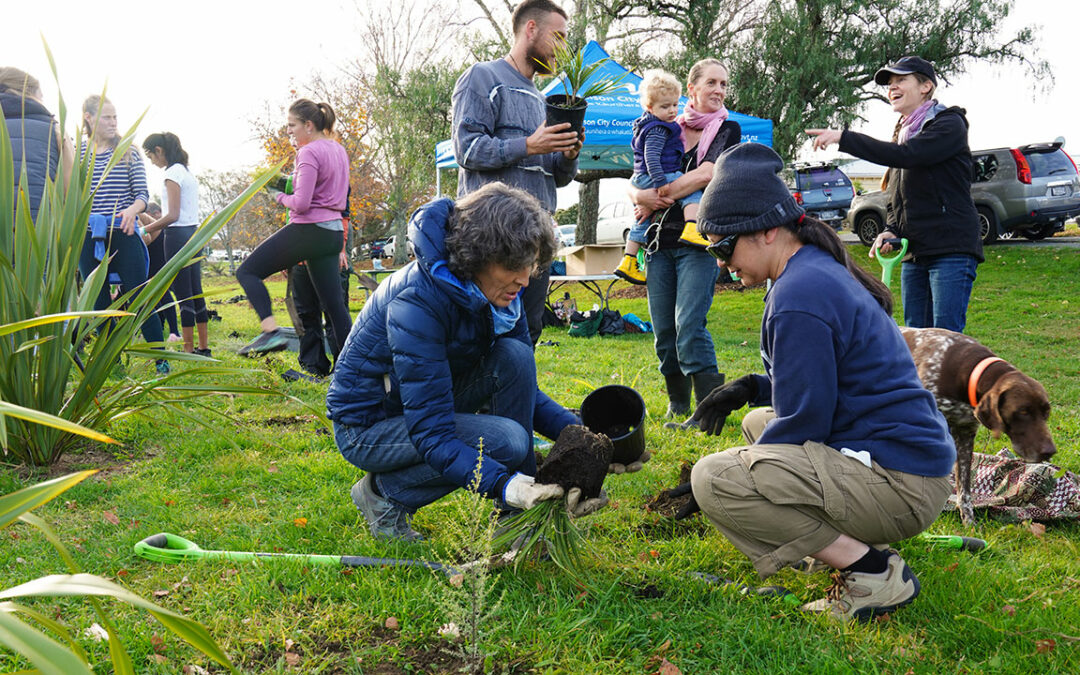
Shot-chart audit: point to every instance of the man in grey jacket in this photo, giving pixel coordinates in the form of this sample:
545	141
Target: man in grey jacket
500	132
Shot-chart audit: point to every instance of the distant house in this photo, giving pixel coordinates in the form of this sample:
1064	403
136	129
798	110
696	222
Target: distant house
866	174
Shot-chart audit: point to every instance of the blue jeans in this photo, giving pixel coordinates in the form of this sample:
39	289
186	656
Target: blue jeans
935	291
129	262
681	282
643	182
505	381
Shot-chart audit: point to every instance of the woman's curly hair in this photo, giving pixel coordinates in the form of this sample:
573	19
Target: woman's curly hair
498	224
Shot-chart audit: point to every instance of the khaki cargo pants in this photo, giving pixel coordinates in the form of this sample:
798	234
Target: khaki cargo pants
780	503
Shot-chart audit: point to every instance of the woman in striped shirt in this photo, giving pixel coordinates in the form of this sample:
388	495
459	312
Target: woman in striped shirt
119	197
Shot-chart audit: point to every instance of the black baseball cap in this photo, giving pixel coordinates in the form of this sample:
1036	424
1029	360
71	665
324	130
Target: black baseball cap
906	66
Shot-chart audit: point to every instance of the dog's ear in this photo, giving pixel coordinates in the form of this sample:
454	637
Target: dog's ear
989	411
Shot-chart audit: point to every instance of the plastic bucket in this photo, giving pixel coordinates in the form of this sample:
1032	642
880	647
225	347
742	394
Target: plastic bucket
557	113
618	412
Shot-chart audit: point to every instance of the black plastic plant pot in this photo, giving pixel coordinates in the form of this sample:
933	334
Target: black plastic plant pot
618	412
559	112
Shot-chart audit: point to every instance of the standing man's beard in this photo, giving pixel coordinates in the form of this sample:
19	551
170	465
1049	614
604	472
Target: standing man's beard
540	62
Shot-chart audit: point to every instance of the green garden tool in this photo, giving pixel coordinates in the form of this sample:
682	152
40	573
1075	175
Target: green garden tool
888	263
954	541
165	547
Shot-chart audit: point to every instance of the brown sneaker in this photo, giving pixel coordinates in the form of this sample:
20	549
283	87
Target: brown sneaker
861	596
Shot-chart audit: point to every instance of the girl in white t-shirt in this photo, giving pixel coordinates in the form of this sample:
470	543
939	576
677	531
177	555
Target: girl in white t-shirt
180	200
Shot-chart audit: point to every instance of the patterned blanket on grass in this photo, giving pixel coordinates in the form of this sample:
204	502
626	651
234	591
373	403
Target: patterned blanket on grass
1012	490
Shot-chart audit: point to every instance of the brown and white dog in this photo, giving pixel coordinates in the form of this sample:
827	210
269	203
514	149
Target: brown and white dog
973	385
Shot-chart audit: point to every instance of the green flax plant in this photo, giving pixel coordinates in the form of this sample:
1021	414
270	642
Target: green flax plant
575	73
42	365
31	631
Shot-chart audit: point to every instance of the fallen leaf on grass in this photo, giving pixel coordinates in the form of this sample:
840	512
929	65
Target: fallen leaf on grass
1009	610
1037	529
192	669
666	645
392	623
111	517
292	659
121	573
158	658
952	567
457	580
161	594
168	502
300	522
157	644
1044	646
273	468
668	668
289	644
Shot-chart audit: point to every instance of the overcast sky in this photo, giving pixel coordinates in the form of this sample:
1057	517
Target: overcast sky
204	69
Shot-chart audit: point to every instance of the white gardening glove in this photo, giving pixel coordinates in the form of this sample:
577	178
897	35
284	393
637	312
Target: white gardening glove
523	492
636	465
578	508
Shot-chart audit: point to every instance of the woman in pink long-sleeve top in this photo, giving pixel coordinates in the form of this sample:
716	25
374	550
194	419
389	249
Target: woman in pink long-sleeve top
314	232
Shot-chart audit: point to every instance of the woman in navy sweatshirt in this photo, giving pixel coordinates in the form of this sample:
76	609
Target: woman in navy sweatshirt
852	453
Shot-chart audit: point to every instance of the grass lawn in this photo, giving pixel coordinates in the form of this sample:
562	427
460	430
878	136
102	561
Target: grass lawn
272	480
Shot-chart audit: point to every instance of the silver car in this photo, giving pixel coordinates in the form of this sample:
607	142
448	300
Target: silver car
1028	191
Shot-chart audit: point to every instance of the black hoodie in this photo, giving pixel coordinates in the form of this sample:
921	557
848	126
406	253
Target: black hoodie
931	191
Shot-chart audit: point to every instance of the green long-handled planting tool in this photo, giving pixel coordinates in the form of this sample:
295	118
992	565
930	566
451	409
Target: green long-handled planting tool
165	547
889	262
954	541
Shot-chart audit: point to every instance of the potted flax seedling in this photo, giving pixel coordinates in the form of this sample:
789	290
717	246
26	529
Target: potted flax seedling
570	105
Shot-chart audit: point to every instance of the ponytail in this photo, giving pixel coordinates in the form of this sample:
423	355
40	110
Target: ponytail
319	114
812	231
169	144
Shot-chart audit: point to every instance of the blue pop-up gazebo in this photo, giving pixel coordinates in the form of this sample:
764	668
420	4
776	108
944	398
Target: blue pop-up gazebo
609	118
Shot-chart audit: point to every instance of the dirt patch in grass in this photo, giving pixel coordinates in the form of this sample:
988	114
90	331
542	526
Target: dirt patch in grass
89	455
632	291
666	505
336	657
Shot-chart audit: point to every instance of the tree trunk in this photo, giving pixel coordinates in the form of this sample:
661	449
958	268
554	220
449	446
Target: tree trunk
588	205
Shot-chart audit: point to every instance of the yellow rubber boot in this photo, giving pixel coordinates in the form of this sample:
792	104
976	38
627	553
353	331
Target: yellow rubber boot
691	237
630	270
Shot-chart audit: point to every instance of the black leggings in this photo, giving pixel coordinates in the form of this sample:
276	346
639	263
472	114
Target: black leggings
188	281
166	307
319	248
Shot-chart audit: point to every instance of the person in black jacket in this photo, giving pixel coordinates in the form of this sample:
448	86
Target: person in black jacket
36	141
930	185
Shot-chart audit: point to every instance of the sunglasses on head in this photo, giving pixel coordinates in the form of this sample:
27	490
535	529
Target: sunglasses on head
723	250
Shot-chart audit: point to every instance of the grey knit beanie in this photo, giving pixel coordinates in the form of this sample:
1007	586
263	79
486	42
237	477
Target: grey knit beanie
745	193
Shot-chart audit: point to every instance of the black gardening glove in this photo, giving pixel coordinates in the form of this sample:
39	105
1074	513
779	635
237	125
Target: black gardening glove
689	508
714	408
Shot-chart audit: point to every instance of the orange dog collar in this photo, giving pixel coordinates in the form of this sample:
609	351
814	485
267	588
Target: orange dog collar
973	381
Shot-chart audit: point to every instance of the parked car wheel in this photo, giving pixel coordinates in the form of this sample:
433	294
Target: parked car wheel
868	228
988	225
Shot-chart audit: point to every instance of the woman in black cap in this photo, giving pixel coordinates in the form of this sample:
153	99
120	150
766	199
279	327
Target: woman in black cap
930	204
851	453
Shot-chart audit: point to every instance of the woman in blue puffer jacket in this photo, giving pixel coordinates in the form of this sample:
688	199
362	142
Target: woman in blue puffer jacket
440	340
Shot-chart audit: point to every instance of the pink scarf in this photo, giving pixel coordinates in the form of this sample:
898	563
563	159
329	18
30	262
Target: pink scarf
912	124
708	122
